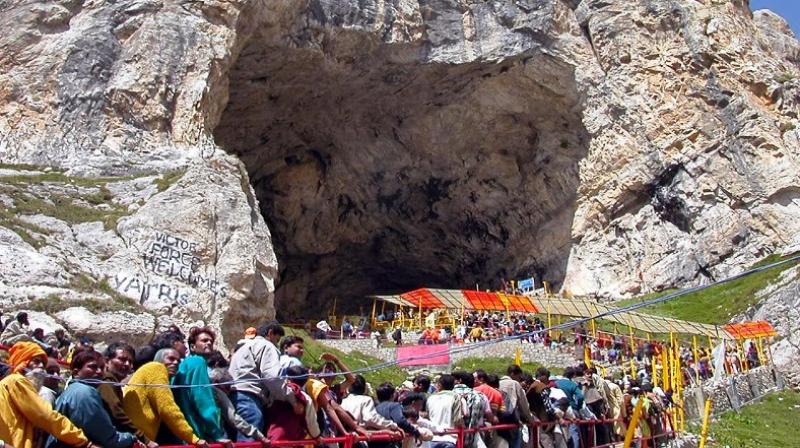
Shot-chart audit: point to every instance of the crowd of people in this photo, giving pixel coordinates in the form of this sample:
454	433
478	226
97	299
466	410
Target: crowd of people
602	347
179	390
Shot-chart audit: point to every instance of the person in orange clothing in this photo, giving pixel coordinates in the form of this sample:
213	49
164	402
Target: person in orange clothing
22	411
429	336
149	403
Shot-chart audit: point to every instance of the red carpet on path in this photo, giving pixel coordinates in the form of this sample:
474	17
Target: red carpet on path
407	355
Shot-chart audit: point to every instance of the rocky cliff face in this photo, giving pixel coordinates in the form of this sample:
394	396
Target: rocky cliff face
609	147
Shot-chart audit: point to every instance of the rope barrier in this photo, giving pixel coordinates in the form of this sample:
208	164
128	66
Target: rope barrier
469	347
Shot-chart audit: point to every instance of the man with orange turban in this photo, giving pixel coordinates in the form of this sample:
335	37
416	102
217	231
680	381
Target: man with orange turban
22	410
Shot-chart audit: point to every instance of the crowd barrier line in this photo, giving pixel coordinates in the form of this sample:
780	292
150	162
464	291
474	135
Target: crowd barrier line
349	440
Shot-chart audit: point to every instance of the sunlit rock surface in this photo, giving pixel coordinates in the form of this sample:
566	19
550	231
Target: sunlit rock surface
609	147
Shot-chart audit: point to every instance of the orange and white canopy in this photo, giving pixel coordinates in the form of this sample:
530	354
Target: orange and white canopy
464	299
458	299
750	330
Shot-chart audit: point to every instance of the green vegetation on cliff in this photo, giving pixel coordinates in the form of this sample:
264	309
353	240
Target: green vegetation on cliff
719	303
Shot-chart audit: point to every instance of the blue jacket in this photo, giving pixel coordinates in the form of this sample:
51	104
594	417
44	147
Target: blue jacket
572	391
392	410
82	405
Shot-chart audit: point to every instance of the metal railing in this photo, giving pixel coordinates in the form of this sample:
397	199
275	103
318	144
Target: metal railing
586	441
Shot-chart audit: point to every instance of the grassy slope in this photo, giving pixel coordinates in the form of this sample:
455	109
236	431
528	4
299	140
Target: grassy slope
498	366
353	360
769	423
717	304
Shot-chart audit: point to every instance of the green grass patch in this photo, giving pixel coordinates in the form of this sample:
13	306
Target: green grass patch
65	209
59	177
102	196
24	229
168	179
498	365
770	423
353	360
68	207
719	303
54	303
20	166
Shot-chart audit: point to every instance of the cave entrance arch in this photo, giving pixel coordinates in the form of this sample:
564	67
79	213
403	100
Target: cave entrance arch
379	173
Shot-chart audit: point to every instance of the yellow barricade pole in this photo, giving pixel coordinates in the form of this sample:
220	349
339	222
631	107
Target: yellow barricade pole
679	387
549	319
421	322
665	379
675	363
743	357
696	359
587	355
762	359
704	431
637	413
633	349
633	368
653	368
558	322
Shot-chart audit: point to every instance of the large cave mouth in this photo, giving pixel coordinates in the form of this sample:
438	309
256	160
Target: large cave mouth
379	173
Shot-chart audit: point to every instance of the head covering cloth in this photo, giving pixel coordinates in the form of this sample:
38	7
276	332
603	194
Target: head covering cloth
22	353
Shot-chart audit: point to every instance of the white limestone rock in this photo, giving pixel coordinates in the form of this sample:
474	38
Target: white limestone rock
44	321
134	328
613	147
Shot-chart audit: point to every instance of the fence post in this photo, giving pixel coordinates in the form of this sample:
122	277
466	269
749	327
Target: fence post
349	440
460	437
637	413
704	431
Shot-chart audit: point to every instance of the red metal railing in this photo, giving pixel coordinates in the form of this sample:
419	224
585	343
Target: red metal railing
349	440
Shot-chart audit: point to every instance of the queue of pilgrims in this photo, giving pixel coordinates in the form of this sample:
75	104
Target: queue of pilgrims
179	390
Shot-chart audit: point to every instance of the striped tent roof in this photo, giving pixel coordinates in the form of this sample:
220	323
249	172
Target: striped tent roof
753	329
457	299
